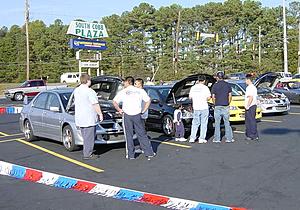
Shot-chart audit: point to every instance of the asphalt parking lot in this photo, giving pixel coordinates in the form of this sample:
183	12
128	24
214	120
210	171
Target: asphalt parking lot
257	175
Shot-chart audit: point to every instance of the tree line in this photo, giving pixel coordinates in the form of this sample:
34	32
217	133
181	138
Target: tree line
163	41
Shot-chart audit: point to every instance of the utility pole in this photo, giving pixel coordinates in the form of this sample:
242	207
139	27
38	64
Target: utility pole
27	37
299	47
259	47
176	43
285	50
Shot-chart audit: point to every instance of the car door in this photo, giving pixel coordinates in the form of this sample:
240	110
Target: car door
156	108
36	114
52	117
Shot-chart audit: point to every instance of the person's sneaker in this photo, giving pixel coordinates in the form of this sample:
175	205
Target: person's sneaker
182	139
230	141
177	139
151	156
216	141
138	151
91	157
248	138
192	140
202	141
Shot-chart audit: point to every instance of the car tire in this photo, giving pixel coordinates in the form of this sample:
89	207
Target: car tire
28	132
68	139
18	96
168	125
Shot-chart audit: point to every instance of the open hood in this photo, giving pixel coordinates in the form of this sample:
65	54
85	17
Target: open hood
181	89
267	80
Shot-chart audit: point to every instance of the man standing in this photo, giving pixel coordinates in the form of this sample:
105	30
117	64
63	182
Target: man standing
250	106
199	94
221	95
131	98
86	110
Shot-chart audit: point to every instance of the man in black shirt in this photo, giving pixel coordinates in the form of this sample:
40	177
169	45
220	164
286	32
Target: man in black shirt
221	95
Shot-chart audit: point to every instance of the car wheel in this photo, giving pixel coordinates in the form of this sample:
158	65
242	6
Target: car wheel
18	96
68	138
168	125
28	132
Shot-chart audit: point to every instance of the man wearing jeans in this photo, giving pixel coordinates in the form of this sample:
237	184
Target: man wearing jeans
199	94
221	95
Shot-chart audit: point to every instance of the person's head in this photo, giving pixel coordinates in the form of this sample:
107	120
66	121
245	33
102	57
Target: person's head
139	83
178	106
201	79
148	79
220	75
85	79
128	81
248	79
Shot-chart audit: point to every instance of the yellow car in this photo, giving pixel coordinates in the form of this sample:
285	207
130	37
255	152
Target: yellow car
296	78
237	109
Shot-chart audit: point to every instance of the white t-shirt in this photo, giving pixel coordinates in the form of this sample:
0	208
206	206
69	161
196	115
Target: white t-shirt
251	91
199	94
85	114
132	98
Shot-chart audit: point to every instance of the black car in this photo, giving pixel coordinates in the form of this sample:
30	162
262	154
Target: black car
163	99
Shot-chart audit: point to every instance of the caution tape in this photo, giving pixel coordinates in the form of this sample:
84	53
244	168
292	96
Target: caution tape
10	110
59	181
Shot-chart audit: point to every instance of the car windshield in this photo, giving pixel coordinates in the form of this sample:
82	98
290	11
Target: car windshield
25	84
65	98
236	90
107	90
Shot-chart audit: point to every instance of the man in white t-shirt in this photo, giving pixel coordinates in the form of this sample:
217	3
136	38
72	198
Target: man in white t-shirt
250	106
87	113
199	94
131	98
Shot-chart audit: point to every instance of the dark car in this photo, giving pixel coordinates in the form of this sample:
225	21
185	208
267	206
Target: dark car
163	99
289	89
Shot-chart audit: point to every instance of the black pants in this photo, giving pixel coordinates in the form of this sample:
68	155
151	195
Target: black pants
131	124
250	122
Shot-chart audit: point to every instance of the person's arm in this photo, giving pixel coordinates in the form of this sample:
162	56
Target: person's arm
213	96
250	99
229	97
117	107
99	111
146	106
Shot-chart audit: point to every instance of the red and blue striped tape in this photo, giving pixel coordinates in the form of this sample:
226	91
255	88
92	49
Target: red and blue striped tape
60	181
10	110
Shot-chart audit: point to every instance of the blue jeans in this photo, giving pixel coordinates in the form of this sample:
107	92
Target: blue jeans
199	117
222	112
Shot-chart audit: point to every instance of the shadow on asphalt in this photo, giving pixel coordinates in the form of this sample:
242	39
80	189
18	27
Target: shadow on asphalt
279	131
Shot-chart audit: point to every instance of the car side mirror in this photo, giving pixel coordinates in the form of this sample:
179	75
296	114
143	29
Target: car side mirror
155	101
54	109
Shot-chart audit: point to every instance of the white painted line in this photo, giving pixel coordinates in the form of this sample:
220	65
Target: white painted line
242	132
273	121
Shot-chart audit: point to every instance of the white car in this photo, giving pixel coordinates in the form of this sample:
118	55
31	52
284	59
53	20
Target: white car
285	76
70	77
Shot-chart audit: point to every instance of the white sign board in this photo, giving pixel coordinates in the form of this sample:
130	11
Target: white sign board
87	30
89	64
205	35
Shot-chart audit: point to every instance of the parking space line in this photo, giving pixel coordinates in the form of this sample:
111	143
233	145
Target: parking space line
172	144
8	140
273	121
293	113
9	135
57	155
239	132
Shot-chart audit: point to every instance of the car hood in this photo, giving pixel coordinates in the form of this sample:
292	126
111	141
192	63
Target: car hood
181	88
271	95
267	80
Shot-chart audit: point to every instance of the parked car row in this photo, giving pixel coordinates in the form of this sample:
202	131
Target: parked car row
51	113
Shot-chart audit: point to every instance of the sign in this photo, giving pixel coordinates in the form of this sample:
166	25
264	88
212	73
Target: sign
87	44
206	35
87	30
89	64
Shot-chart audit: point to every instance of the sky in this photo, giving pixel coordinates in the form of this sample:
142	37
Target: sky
12	11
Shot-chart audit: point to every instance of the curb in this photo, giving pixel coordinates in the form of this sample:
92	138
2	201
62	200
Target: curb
59	181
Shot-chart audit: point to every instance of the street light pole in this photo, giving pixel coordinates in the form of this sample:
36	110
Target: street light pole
27	37
285	50
299	47
259	47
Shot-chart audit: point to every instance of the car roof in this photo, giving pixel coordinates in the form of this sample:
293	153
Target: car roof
60	90
233	81
106	78
158	86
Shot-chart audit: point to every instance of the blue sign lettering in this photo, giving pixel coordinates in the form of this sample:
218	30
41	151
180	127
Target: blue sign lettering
87	44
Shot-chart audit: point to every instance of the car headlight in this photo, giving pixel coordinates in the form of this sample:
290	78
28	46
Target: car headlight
233	108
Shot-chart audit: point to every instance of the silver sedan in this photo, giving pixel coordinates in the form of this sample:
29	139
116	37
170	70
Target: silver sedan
49	116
